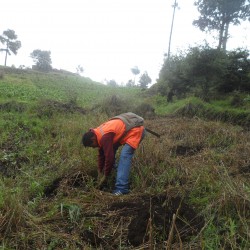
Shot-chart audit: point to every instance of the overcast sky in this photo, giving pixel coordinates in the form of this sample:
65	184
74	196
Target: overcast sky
106	37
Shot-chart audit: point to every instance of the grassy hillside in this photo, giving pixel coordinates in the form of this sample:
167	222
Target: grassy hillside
233	109
189	189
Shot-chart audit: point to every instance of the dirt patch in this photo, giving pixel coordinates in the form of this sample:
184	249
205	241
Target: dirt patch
131	219
10	166
159	211
92	238
245	170
142	216
186	150
75	180
51	190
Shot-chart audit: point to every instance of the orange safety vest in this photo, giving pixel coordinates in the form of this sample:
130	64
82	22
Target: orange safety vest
117	126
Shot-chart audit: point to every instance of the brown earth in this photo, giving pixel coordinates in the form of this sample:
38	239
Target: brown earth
133	219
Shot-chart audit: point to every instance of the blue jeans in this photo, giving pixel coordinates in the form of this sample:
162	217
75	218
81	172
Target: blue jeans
122	177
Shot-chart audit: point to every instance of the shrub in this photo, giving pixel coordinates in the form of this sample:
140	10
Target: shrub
114	105
145	110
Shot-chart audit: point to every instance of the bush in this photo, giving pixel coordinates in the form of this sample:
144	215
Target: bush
114	105
236	101
205	72
145	110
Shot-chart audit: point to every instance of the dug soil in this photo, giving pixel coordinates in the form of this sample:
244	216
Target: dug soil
158	216
133	220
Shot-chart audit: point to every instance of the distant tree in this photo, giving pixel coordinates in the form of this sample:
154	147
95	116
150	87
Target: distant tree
145	80
130	83
172	78
135	70
79	69
205	72
42	59
205	67
219	14
21	67
8	38
112	83
237	75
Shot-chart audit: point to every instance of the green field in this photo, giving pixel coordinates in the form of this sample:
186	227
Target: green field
189	189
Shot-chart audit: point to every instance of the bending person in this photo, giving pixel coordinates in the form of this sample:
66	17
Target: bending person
107	138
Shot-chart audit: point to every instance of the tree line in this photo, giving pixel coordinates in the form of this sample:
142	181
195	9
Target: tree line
205	71
201	70
42	60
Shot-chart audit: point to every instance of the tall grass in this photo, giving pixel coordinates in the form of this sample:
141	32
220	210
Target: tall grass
211	169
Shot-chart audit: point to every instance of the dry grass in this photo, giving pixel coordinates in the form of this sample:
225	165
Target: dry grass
203	164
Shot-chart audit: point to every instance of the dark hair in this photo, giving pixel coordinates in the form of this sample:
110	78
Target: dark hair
87	139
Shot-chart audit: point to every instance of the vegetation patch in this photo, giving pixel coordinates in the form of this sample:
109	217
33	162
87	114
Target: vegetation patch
228	116
50	107
11	164
145	110
13	106
113	105
189	188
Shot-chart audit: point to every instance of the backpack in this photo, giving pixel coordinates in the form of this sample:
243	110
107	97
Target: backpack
130	119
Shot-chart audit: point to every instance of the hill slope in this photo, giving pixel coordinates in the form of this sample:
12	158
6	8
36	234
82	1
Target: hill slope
189	189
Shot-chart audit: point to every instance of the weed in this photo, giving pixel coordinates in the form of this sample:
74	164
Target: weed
73	211
36	189
211	237
12	216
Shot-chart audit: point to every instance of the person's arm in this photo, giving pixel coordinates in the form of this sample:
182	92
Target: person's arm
107	147
101	160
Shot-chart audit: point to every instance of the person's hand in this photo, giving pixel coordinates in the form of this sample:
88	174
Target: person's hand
102	182
100	176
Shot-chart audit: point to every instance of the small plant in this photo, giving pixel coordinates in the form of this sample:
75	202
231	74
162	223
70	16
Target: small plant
247	99
211	237
73	211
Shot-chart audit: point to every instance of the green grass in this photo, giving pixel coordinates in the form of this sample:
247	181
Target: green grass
220	110
205	162
64	88
163	107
